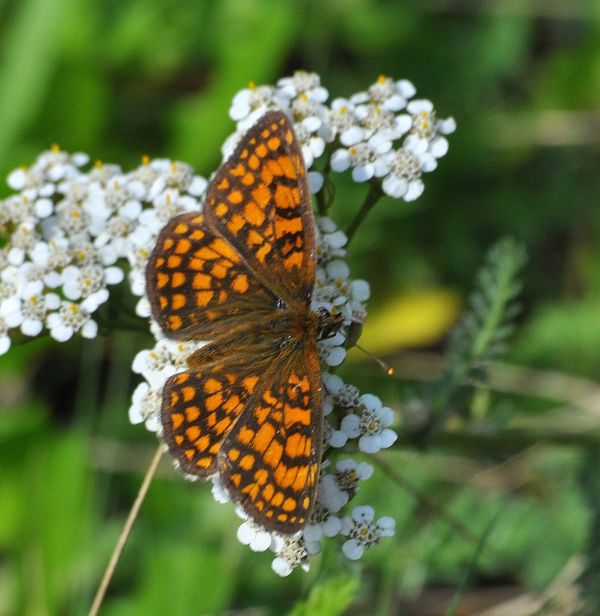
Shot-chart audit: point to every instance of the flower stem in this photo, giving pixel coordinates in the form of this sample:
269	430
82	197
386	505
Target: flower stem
122	540
373	196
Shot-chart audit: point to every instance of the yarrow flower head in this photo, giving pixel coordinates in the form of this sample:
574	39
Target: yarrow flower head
73	230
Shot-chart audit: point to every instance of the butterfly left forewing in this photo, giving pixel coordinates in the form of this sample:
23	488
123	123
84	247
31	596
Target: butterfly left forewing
198	285
270	460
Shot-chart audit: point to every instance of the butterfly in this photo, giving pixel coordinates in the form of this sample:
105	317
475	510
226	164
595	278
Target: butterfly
241	274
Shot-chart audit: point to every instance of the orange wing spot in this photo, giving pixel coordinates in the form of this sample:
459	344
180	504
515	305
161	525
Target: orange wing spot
294	445
233	454
245	435
282	517
274	167
249	383
289	504
180	229
263	437
290	476
203	298
176	420
248	179
252	140
183	246
260	505
269	398
274	143
213	402
162	280
261	194
188	393
192	413
268	491
223	184
189	453
204	462
175	322
273	453
202	443
301	477
231	403
283	197
274	126
266	176
252	490
294	260
178	439
225	249
261	476
238	170
177	279
197	264
263	251
221	209
247	462
159	262
254	162
286	164
264	134
261	150
277	499
182	377
212	386
289	137
196	235
294	414
244	153
284	226
308	446
168	243
254	238
205	253
236	223
193	432
219	270
201	281
236	479
240	283
173	261
222	425
306	502
178	301
269	513
163	301
253	213
235	197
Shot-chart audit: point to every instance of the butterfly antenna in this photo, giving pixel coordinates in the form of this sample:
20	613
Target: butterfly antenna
383	365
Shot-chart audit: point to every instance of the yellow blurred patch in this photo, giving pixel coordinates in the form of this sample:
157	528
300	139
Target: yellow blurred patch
413	319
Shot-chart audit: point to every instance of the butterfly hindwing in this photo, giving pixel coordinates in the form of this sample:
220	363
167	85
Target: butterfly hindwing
259	200
270	459
199	409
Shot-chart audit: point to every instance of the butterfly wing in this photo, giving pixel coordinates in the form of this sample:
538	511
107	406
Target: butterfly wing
270	460
198	285
259	200
198	411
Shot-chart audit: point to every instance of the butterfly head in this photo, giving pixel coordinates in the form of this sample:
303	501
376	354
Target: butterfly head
328	323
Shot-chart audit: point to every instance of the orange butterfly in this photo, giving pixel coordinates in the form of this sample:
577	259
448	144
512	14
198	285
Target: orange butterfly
241	274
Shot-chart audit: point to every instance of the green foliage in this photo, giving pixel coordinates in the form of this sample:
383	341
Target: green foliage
331	598
481	335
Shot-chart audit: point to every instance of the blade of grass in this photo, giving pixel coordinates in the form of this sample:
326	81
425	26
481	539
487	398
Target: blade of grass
471	568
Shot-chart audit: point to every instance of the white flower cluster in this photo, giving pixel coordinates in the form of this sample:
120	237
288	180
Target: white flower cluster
70	232
384	132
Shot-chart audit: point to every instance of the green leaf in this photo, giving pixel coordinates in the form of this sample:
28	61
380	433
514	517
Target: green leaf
329	598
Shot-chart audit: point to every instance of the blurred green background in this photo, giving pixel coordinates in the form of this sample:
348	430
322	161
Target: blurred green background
522	79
